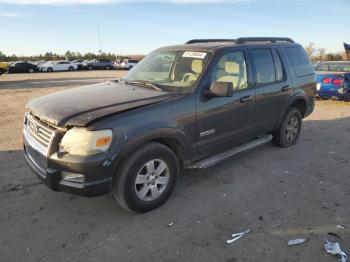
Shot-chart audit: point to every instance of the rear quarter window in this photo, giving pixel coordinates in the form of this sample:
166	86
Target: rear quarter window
300	61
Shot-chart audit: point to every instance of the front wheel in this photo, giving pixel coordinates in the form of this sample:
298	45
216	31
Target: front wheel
71	68
288	133
146	178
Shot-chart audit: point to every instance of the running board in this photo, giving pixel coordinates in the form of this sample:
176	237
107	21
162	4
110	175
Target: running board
213	160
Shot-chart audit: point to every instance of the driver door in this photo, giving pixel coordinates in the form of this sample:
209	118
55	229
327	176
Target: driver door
224	122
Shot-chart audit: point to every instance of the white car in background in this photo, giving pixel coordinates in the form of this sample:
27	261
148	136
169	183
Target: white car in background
126	64
58	66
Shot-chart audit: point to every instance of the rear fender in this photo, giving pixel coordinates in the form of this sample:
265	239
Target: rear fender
298	97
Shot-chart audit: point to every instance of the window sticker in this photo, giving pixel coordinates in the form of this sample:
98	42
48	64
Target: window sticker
192	54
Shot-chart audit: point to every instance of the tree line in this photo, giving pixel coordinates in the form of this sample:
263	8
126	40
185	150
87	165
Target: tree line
50	56
315	54
321	54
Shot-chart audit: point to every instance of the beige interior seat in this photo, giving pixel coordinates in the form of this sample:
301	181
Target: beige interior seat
230	74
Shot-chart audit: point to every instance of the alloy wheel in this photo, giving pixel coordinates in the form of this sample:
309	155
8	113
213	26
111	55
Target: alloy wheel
292	128
152	179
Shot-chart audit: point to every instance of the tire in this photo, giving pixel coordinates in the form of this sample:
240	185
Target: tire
107	67
130	67
147	192
90	67
288	133
50	70
71	68
346	96
1	72
31	70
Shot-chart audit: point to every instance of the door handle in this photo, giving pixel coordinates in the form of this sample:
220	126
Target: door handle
286	88
246	99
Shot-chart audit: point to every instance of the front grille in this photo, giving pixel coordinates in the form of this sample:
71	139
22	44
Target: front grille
41	132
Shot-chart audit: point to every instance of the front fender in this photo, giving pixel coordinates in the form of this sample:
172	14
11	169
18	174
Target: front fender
133	141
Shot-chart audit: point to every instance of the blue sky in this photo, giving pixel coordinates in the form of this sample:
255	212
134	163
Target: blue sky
30	27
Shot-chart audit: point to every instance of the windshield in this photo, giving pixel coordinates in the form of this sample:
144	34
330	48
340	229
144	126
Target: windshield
335	67
170	70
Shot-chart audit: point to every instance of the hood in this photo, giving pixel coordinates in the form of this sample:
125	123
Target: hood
82	105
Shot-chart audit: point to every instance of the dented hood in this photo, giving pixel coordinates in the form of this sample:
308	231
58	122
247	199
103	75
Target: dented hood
82	105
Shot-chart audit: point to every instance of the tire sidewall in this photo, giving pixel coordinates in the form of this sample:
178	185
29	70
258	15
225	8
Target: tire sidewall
283	139
126	180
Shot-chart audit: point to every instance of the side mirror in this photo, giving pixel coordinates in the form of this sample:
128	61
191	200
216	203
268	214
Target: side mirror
221	89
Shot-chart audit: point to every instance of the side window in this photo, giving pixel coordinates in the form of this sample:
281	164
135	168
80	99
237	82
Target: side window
301	63
278	65
231	67
264	66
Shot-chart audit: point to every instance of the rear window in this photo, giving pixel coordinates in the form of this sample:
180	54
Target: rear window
335	67
301	63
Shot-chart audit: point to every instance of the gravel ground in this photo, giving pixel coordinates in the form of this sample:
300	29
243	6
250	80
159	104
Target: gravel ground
279	194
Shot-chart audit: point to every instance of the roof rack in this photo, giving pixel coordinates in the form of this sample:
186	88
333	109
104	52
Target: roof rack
195	41
243	40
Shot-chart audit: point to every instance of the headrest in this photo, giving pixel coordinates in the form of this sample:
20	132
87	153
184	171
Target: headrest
222	62
197	66
232	67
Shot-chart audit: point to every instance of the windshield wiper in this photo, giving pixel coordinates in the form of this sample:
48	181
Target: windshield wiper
144	83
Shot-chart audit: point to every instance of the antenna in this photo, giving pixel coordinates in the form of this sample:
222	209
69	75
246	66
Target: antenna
99	39
100	46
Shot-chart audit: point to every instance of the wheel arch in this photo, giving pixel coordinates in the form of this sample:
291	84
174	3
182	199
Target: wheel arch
298	101
173	139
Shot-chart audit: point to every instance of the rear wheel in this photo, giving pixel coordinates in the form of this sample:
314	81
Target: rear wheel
49	69
90	67
289	131
146	178
71	68
31	70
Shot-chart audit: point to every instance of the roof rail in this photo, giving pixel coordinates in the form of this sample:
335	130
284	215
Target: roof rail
194	41
243	40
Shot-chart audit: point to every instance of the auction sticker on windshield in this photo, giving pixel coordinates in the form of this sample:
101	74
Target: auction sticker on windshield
192	54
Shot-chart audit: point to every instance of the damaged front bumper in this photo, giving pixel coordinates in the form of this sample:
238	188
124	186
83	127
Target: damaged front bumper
94	173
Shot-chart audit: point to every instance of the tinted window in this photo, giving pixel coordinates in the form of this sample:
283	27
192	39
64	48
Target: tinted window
264	66
300	61
231	67
278	65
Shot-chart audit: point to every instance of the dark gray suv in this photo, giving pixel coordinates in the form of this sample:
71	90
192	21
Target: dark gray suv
184	106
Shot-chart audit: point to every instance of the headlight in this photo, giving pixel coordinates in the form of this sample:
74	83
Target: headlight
83	142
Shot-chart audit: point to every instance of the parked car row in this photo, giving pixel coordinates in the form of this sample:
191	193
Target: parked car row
65	65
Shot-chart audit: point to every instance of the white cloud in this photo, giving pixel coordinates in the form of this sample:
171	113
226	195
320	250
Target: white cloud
97	2
9	15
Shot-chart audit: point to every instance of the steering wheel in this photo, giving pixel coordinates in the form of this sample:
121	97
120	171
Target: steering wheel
188	76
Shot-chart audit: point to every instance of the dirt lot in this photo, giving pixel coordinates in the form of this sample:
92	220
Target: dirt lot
279	194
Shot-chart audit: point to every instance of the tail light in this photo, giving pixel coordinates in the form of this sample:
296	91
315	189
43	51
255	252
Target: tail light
326	80
338	81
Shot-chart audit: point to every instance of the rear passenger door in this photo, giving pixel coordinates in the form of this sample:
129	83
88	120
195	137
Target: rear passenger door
273	87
